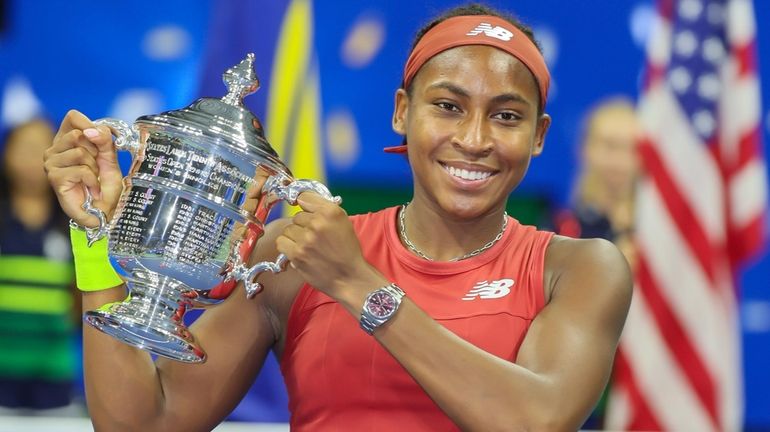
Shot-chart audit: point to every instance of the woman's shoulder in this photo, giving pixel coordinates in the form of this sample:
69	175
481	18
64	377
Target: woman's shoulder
592	265
561	246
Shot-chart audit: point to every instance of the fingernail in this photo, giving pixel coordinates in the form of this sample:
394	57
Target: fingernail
91	132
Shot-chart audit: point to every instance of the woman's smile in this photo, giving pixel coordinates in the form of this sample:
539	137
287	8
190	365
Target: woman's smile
467	175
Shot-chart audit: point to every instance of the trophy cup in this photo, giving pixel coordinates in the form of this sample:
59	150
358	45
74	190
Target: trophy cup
181	235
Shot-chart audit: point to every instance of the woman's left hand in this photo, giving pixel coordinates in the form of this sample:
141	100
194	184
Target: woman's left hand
322	246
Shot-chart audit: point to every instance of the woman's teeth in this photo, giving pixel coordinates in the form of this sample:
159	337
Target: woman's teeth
467	175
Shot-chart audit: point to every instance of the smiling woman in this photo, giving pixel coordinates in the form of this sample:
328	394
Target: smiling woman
442	314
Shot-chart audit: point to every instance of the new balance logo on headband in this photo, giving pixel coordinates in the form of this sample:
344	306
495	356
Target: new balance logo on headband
495	32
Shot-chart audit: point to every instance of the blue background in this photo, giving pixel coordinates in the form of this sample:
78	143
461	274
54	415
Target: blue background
102	58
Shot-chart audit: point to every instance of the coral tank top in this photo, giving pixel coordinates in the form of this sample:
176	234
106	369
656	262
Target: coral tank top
339	378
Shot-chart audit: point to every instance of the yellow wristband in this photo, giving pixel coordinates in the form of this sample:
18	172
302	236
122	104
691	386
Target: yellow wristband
93	271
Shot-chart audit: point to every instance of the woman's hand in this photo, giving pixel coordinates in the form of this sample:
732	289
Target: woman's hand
83	154
322	246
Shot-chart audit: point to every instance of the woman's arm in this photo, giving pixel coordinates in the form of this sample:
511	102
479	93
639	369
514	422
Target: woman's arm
126	390
562	366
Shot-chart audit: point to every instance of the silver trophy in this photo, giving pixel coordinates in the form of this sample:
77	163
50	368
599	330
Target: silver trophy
181	234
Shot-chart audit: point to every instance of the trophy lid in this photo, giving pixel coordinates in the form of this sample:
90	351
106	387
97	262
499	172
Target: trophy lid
226	121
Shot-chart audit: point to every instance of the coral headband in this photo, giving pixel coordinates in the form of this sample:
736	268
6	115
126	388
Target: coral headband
477	30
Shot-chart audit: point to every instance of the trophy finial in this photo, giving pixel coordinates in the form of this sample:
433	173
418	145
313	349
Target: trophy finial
241	80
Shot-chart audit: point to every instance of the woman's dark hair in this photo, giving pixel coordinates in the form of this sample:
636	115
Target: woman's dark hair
473	9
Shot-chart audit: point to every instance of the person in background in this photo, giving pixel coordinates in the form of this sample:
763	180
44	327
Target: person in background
37	309
603	197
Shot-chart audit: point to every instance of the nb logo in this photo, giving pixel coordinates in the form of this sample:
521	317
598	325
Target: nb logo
490	290
495	32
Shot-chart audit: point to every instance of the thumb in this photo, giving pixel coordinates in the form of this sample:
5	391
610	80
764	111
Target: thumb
311	201
101	137
107	156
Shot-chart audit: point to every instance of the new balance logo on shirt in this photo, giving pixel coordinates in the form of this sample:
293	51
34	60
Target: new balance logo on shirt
496	32
490	290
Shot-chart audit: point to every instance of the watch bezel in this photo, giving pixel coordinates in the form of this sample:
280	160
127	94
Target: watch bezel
370	321
369	303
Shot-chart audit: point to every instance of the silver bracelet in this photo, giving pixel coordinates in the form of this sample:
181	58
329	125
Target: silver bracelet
92	234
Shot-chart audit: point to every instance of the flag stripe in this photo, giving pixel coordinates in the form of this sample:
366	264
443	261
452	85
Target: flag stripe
744	206
677	340
747	149
659	49
674	266
753	234
744	54
740	24
642	417
689	166
740	113
682	215
657	375
731	376
666	9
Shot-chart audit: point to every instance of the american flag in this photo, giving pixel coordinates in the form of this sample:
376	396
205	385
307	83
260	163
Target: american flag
701	210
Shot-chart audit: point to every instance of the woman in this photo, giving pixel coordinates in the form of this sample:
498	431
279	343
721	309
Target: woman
604	190
37	364
501	327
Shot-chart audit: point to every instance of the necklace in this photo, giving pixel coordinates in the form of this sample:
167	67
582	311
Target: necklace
421	254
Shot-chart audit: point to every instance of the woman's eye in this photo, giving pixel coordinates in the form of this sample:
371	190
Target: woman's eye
508	116
447	106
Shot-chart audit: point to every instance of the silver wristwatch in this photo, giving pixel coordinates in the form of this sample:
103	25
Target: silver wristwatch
380	306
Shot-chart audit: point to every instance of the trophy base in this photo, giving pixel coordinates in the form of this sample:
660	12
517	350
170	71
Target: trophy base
150	319
177	344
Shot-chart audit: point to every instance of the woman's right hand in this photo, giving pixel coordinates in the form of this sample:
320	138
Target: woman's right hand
83	154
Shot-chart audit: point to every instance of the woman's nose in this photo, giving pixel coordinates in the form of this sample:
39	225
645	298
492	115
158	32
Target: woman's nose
472	136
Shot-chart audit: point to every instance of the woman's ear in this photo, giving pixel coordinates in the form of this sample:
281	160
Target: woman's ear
400	107
543	123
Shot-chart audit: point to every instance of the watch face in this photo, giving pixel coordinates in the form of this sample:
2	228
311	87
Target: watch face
381	304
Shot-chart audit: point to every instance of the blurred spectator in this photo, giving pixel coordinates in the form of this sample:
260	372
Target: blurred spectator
603	199
37	359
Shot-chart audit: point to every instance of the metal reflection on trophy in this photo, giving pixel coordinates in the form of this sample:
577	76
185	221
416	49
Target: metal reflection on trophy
183	229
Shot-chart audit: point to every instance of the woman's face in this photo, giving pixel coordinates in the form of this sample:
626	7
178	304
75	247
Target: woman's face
472	126
24	156
610	150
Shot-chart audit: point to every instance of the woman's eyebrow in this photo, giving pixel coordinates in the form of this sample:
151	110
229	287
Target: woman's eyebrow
459	91
511	97
453	88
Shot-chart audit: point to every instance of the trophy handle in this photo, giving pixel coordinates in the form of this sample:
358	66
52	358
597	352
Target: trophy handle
283	188
126	138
